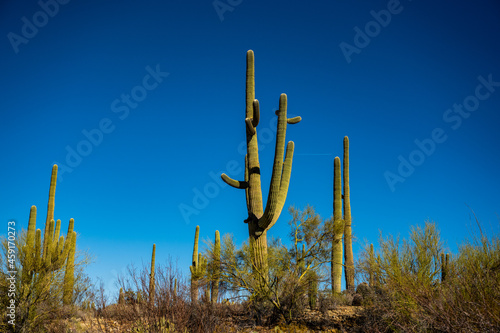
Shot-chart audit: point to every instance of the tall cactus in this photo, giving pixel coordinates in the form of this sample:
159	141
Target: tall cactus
260	220
371	266
338	229
216	269
348	255
69	274
152	278
197	268
444	265
50	209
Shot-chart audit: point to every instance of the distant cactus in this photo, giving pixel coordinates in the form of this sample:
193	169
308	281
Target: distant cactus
371	269
348	255
338	229
121	297
152	278
216	269
197	268
69	274
444	265
260	220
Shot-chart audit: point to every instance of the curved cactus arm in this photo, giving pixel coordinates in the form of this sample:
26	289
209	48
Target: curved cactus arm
256	113
250	127
234	183
285	181
294	120
272	198
57	231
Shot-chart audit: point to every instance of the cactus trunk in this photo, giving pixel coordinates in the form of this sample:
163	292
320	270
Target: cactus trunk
348	255
152	278
50	208
216	269
197	268
260	220
337	229
69	274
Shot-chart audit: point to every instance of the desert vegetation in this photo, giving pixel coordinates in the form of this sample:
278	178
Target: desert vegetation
291	283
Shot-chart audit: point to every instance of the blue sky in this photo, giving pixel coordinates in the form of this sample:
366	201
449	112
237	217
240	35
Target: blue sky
159	88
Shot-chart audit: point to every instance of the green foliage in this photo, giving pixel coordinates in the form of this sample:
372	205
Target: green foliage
293	272
411	295
46	275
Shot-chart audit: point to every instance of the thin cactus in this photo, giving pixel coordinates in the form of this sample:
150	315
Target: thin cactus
121	297
50	209
197	268
371	267
348	255
338	229
216	269
152	278
444	266
312	288
260	220
69	273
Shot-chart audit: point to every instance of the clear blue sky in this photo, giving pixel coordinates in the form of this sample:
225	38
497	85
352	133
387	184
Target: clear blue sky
385	73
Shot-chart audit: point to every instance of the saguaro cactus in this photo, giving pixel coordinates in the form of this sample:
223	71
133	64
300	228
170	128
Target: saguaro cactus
260	220
69	274
216	269
348	255
444	265
50	209
197	268
371	266
152	278
338	228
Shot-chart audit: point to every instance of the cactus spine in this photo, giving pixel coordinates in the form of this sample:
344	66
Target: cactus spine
152	278
260	220
216	269
348	255
197	268
338	229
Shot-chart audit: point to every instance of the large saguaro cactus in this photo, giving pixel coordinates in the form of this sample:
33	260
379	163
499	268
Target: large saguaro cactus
348	255
338	229
260	220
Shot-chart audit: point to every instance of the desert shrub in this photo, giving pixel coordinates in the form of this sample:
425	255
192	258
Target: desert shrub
409	295
38	291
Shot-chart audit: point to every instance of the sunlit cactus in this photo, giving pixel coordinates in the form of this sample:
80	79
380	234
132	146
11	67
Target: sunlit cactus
260	220
152	278
197	268
348	255
216	269
69	273
338	229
